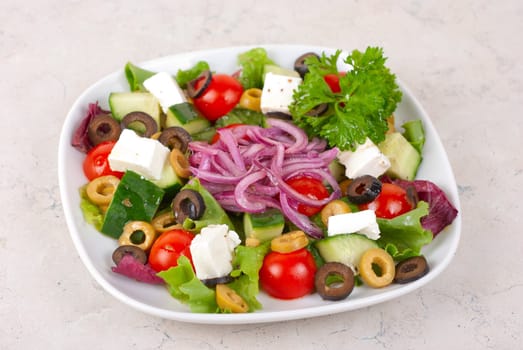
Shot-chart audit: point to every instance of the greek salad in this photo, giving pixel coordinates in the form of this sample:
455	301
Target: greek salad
286	180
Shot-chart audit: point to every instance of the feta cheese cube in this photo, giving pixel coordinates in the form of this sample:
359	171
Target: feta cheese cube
142	155
367	159
212	251
363	222
277	92
165	89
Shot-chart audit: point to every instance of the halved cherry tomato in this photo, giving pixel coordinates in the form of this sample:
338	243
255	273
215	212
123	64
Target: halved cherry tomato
312	188
288	276
391	202
333	80
216	136
96	163
220	97
168	247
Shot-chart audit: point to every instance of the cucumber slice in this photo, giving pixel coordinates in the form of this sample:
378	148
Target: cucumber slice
263	226
185	115
122	103
135	198
170	183
344	248
404	158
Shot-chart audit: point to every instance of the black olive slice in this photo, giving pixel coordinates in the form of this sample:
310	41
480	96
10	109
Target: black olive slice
143	118
318	110
334	281
175	137
411	269
102	128
194	92
212	282
299	64
363	189
188	204
124	250
278	115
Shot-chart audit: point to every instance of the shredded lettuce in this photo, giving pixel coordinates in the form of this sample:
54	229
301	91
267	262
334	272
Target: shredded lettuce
369	94
184	286
404	236
252	64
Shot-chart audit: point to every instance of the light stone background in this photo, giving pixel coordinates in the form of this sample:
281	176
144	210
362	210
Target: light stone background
462	59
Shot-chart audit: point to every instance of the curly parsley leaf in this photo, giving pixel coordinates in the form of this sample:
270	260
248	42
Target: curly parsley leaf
369	95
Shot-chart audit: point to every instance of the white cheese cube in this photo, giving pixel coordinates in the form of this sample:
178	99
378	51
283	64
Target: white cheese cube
165	89
363	222
277	92
367	159
142	155
212	251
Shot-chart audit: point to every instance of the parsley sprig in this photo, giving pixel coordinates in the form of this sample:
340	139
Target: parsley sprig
369	95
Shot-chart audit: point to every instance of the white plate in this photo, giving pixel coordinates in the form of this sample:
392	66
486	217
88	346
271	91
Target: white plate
95	249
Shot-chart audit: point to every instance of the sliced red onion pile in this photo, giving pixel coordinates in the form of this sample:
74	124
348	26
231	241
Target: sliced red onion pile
247	167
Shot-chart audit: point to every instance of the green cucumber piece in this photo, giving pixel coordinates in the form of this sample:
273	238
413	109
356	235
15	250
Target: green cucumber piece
170	183
344	248
122	103
185	115
263	226
135	198
404	158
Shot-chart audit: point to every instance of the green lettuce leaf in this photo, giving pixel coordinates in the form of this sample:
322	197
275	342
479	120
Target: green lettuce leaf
185	76
248	262
136	76
184	286
252	64
404	236
213	214
415	134
91	212
369	94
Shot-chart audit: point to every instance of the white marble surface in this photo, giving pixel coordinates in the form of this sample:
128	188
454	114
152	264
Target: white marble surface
462	59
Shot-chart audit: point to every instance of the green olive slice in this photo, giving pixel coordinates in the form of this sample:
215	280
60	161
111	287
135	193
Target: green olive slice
334	281
188	204
175	137
102	128
363	189
147	122
411	269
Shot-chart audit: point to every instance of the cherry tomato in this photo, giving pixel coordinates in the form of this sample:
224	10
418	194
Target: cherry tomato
216	136
96	163
312	188
391	202
168	247
333	80
220	97
289	275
